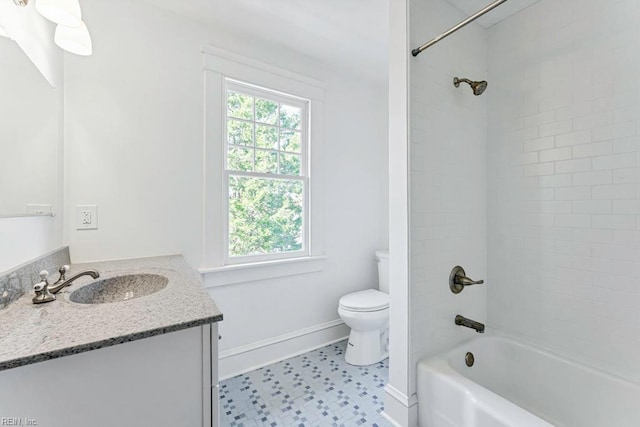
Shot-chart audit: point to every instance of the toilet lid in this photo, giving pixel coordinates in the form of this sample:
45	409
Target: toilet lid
369	300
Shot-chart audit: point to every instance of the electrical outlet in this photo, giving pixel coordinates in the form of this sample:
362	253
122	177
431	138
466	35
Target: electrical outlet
86	217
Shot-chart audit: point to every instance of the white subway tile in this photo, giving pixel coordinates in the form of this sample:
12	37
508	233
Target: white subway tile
578	165
579	221
631	207
573	111
593	120
625	145
557	180
614	222
593	235
540	119
618	130
524	158
592	150
539	144
557	128
573	193
615	191
573	138
630	175
555	206
592	178
554	154
592	206
539	169
615	161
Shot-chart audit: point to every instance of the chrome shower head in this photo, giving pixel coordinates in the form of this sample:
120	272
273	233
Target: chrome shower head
477	87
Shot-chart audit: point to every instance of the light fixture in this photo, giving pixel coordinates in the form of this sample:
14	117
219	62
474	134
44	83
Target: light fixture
74	39
62	12
22	3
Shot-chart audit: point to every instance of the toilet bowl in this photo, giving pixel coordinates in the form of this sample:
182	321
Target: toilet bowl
367	314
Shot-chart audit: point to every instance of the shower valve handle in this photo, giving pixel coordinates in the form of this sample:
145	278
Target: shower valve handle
458	280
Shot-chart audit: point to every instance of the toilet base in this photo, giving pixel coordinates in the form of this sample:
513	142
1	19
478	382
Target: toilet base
365	348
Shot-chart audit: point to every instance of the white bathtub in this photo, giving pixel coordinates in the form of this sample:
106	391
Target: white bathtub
513	384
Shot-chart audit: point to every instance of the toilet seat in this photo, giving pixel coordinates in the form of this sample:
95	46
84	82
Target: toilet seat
365	301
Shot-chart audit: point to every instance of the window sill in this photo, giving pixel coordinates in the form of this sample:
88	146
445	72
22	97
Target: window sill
243	273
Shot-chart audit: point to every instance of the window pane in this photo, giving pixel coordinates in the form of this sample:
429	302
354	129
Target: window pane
266	111
240	159
266	161
267	137
239	105
290	140
239	133
289	164
289	117
265	215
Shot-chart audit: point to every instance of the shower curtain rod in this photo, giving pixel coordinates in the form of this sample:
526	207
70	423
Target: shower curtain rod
416	51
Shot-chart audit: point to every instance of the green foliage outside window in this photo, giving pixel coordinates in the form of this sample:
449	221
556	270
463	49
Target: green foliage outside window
266	215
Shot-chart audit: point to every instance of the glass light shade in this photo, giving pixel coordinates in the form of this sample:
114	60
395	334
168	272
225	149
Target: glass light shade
74	39
62	12
3	33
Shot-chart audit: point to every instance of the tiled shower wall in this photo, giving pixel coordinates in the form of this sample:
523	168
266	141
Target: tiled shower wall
564	177
447	177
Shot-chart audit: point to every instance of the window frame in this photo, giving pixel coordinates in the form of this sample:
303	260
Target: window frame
304	176
219	64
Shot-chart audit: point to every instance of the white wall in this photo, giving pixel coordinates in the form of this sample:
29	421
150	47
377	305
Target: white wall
34	34
24	239
564	202
134	144
448	129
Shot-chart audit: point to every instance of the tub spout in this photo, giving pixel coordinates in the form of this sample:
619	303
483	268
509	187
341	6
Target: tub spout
463	321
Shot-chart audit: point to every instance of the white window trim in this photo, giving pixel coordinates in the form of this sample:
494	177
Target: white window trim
218	65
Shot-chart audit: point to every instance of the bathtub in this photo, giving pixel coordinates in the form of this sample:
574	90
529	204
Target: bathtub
513	384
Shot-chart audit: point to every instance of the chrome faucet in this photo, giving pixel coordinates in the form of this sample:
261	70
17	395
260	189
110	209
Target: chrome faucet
463	321
45	291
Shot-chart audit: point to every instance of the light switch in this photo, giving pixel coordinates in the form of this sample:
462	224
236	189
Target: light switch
86	217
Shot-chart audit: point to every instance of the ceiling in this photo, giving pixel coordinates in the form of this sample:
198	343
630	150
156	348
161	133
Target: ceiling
351	34
344	33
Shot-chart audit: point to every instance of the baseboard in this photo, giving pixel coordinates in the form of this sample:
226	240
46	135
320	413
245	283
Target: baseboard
242	359
399	409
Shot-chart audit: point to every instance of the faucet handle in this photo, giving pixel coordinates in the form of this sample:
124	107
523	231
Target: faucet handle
44	275
63	271
458	280
42	289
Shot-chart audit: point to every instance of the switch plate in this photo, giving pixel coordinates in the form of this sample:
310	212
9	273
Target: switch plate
39	209
86	217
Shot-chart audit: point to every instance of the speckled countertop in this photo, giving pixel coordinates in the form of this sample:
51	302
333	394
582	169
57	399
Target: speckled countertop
33	333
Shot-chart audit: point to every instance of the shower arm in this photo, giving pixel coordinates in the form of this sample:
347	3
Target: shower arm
418	50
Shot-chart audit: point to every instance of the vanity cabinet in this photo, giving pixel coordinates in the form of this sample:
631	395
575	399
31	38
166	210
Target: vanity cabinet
165	380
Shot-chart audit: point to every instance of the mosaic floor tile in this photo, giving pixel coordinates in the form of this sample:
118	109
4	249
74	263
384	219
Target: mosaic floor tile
315	389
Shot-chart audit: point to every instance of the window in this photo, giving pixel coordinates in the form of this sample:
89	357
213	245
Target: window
263	171
266	173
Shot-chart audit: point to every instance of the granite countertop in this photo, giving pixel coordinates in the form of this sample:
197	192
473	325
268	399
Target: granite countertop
33	333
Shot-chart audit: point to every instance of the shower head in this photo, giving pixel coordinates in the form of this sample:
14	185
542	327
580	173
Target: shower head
477	87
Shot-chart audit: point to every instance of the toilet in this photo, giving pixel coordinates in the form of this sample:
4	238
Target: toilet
367	314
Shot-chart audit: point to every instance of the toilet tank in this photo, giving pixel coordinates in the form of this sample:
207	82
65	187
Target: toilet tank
382	257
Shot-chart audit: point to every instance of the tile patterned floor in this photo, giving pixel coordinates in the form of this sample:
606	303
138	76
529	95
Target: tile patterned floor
315	389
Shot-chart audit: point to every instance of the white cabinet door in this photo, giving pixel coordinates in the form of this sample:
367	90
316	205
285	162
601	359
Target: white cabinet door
157	381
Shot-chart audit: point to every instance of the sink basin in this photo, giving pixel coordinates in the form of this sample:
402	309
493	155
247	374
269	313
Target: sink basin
119	288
